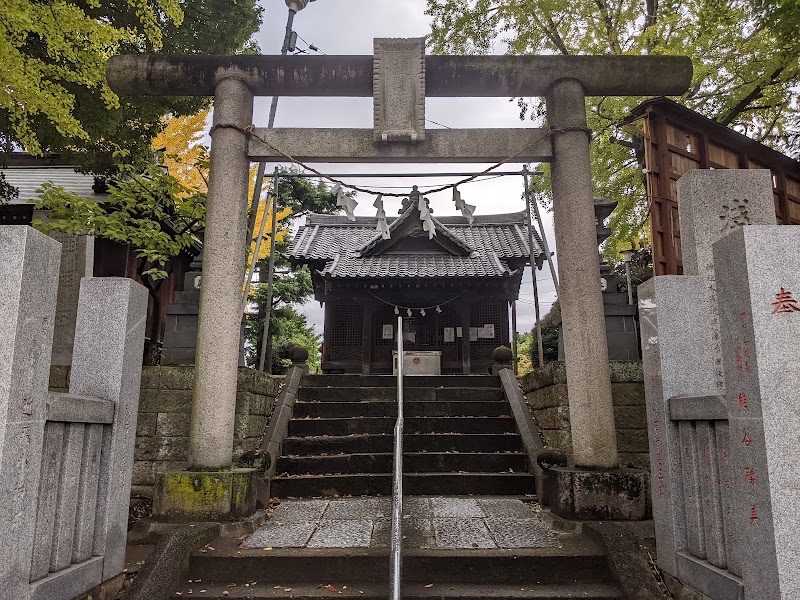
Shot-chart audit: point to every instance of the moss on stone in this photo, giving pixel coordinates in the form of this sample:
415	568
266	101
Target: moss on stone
196	494
206	495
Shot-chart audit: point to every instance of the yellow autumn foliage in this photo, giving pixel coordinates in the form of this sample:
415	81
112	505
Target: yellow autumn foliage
186	158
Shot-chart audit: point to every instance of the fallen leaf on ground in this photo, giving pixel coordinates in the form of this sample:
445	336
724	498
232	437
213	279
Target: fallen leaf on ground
330	588
430	585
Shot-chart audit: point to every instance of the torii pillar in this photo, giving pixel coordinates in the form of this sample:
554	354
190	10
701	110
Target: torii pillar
399	77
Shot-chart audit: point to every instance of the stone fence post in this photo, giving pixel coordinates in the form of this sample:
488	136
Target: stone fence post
29	265
107	364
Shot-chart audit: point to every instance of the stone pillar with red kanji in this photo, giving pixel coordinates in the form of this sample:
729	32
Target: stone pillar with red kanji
758	297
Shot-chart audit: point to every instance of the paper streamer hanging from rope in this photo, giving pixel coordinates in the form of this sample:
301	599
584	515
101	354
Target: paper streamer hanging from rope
382	226
467	210
344	201
425	217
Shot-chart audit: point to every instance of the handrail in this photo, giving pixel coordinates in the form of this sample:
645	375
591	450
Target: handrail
396	566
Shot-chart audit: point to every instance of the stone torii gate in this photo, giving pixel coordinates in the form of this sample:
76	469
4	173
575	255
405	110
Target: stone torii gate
399	77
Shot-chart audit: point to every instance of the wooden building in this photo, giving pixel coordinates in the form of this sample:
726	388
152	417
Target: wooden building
677	139
453	289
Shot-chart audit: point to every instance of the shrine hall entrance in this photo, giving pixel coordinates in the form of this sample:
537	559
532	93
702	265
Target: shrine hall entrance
361	333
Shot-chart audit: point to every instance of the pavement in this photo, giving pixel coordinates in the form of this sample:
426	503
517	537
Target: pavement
429	522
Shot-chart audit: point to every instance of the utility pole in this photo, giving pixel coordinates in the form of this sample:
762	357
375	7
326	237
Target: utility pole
289	38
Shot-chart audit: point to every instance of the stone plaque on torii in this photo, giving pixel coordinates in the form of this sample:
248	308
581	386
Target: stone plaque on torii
399	77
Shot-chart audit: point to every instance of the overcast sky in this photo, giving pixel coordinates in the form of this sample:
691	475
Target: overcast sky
348	27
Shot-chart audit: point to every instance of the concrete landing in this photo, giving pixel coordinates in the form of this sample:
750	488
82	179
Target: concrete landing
445	523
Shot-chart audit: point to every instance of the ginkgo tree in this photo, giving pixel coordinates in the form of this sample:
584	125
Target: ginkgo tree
185	157
746	71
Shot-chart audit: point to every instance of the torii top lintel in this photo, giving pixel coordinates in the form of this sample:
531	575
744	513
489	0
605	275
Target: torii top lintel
445	76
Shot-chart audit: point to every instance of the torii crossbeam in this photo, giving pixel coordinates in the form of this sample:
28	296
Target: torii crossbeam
399	77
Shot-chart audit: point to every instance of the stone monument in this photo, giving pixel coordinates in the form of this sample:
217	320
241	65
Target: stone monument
720	384
77	262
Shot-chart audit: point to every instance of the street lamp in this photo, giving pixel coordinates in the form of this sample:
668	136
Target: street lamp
627	255
297	5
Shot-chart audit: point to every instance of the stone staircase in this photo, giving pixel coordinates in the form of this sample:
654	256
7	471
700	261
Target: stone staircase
578	570
467	534
460	438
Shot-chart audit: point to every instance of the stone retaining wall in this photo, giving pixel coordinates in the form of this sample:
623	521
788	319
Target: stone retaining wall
165	404
546	392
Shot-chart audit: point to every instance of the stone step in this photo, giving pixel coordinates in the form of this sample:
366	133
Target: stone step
322	566
378	408
415	462
311	427
377	591
408	382
384	442
389	394
380	484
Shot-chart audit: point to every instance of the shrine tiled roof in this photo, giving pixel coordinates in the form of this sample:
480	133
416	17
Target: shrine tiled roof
340	248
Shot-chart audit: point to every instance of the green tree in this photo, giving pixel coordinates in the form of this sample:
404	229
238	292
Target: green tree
148	210
54	97
746	71
551	326
287	326
524	353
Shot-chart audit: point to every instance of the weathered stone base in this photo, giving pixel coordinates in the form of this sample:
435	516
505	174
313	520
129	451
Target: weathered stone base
596	495
183	496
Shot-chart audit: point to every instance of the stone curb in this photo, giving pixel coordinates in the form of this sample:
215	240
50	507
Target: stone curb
628	562
167	568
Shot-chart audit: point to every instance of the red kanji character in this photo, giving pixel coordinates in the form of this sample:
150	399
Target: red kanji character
742	402
750	476
753	514
21	488
746	439
785	303
661	490
26	433
747	356
706	479
727	484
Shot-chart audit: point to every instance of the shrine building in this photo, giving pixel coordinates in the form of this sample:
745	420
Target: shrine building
452	285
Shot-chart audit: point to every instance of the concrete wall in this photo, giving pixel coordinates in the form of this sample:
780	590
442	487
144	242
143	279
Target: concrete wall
162	431
546	392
